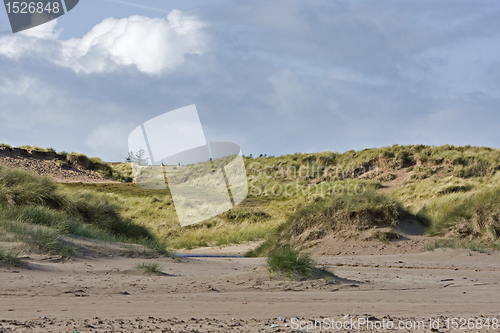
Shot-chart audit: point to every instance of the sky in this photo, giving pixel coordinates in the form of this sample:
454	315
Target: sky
273	76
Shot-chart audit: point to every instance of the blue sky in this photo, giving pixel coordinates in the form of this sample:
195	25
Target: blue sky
275	77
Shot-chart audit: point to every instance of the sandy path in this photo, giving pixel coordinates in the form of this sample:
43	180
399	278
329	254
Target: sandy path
211	292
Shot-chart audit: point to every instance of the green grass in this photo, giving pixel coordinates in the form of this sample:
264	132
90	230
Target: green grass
37	238
37	149
152	267
254	219
314	220
18	187
124	169
445	176
385	235
452	191
291	263
27	199
475	214
450	205
10	258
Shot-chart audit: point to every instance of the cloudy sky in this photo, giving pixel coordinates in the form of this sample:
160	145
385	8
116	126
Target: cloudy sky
274	76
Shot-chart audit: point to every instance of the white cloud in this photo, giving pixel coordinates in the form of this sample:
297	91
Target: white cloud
109	138
152	45
44	31
27	102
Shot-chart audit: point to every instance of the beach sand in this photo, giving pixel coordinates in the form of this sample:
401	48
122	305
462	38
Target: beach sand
107	294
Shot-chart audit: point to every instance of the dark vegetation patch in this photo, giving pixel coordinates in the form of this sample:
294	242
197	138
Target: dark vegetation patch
28	201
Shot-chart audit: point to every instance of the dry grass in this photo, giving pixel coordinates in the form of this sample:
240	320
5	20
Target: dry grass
152	267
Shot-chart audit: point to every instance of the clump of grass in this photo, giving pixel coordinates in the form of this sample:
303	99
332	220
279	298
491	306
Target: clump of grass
18	187
151	267
369	209
78	159
38	238
10	258
291	263
332	214
49	241
385	235
62	164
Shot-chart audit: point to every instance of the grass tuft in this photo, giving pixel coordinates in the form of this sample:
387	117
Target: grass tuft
10	259
152	267
290	262
385	235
